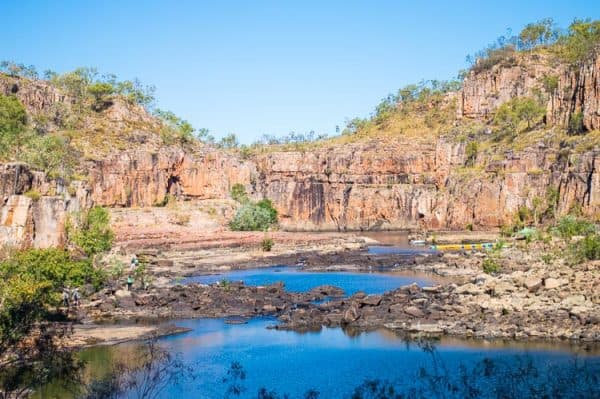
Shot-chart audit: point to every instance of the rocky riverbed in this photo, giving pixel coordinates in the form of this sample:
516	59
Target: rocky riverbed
526	299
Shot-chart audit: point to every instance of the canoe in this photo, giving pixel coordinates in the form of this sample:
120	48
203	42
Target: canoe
462	247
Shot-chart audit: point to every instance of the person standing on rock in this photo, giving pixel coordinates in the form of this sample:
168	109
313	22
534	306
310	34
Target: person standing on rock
129	282
134	264
65	297
76	296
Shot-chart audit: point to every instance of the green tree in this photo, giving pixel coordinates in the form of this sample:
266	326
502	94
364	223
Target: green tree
94	234
230	141
52	154
520	109
578	45
539	33
13	126
101	90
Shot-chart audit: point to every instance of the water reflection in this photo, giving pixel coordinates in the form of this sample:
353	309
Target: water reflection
333	361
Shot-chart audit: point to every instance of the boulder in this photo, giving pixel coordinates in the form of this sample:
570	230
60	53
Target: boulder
414	311
371	300
533	283
351	314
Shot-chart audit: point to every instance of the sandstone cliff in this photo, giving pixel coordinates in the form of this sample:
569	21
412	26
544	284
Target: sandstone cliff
391	182
577	89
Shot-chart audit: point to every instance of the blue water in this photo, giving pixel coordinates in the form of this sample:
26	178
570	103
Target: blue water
329	361
297	280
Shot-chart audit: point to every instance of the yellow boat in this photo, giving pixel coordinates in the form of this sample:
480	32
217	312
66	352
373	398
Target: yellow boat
462	247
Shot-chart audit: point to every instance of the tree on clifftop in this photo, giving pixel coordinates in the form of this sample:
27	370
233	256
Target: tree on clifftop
13	122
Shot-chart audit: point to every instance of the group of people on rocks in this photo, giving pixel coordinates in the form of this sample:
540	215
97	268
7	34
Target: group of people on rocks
71	297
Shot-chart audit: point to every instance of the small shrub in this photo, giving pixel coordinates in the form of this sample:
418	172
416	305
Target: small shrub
471	153
181	219
547	258
586	249
238	193
267	244
469	227
576	123
33	194
490	265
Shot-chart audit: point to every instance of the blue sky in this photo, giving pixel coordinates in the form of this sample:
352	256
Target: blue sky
256	67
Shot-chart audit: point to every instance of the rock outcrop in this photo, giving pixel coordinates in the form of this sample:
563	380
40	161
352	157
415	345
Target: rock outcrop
34	209
577	89
407	185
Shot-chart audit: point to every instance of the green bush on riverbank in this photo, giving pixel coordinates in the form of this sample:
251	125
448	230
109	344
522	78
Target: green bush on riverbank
254	216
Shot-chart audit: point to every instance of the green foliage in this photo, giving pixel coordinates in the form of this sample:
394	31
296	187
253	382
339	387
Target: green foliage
94	234
586	249
576	123
550	83
469	227
175	128
542	32
471	153
569	226
33	194
101	90
254	217
229	141
579	43
354	125
51	154
53	267
18	69
547	258
238	193
13	126
267	205
491	265
267	244
512	113
500	52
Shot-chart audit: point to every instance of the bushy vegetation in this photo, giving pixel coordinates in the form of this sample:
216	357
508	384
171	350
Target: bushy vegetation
13	123
511	115
238	193
93	234
254	216
490	265
573	46
569	226
586	249
18	142
267	244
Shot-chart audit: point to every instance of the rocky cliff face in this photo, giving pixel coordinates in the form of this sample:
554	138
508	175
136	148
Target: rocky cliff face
578	89
389	183
403	185
141	178
34	209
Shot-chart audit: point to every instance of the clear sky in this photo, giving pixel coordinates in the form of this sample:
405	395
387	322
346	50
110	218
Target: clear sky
255	67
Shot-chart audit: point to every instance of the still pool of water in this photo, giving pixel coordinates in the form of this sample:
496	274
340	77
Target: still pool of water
331	361
298	280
